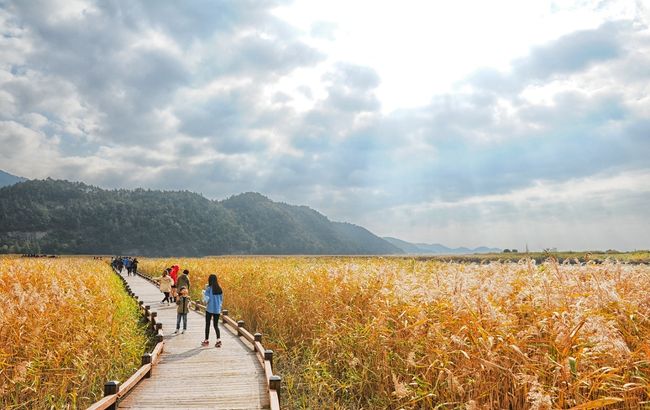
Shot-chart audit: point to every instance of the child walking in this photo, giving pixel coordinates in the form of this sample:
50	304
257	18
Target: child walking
213	297
183	302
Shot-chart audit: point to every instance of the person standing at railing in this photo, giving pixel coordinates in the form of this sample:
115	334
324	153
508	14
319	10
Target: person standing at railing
165	285
213	298
183	308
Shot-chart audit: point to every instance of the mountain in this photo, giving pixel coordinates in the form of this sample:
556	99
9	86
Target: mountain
279	228
53	216
8	179
436	248
407	247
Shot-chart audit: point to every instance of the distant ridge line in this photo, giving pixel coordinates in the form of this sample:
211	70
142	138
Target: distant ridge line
436	249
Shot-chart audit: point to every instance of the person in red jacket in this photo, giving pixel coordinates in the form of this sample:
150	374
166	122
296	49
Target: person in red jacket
174	275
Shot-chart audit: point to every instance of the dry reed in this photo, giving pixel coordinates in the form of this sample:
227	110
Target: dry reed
363	333
66	327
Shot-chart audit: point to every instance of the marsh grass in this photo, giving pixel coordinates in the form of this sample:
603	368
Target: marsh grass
363	333
66	327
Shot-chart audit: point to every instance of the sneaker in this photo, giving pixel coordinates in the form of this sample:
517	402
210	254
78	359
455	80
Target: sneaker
183	332
218	344
205	343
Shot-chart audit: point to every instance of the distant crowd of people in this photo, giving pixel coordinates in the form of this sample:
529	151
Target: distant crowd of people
129	263
37	255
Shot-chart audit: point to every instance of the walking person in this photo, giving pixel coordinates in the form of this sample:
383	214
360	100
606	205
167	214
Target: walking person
126	263
173	272
183	308
184	280
166	285
213	297
134	266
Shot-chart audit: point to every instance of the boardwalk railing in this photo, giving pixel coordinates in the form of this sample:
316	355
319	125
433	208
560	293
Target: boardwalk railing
113	390
265	356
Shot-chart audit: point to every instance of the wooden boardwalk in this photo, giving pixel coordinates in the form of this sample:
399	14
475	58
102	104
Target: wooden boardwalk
189	376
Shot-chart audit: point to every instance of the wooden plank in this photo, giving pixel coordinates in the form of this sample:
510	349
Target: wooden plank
104	403
259	351
247	335
230	321
275	400
133	380
188	375
268	370
156	352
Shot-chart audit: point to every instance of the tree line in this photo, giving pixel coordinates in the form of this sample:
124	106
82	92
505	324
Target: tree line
62	217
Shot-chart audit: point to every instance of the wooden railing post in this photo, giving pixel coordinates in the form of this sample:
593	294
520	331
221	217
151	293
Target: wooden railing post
268	355
154	315
240	325
274	384
159	336
224	313
146	359
111	387
258	337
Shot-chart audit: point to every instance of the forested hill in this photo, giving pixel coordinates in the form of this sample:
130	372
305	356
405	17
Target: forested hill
52	216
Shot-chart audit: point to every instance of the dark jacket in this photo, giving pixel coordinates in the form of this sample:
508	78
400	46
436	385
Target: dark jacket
183	280
183	303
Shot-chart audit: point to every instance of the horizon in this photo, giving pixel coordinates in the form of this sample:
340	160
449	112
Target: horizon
457	124
493	250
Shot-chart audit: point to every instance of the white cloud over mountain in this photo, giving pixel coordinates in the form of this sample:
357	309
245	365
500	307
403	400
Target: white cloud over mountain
222	97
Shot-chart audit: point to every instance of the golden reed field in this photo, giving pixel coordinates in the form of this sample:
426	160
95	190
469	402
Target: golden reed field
66	327
367	333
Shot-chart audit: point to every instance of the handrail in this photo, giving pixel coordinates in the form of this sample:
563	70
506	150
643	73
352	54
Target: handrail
134	379
113	391
155	354
273	381
104	403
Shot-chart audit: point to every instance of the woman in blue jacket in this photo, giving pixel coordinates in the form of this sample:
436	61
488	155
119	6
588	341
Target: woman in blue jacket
213	297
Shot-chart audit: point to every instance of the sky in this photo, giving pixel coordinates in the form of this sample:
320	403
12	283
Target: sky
468	123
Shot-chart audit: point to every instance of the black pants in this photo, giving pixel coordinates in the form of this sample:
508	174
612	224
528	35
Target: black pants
166	297
215	319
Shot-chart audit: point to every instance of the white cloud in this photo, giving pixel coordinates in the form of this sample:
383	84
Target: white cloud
544	193
423	48
25	148
597	212
470	122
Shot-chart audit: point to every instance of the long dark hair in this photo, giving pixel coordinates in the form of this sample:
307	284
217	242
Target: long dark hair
214	284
